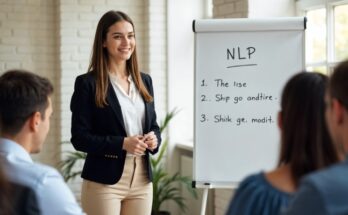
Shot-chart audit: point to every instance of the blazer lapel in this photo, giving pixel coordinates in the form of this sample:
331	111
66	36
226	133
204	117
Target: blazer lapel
115	105
147	125
147	120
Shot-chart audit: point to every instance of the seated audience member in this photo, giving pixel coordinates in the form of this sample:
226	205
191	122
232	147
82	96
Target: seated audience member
305	147
16	199
25	110
326	192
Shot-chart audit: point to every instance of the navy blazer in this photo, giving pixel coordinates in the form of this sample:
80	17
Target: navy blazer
100	131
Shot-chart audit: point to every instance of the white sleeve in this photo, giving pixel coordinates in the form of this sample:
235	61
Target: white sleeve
55	197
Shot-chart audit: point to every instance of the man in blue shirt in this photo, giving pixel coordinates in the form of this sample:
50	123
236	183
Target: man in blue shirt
326	191
25	110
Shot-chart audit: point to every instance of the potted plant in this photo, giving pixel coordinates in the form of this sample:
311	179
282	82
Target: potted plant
166	187
67	165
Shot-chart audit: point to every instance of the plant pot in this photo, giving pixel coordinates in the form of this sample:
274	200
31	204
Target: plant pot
160	213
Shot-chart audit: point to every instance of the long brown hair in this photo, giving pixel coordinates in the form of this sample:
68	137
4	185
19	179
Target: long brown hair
99	62
305	144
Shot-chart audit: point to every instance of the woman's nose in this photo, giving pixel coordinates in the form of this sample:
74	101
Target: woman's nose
125	40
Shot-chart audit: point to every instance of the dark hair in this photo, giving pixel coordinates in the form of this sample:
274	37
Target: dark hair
305	144
99	61
5	204
338	84
21	94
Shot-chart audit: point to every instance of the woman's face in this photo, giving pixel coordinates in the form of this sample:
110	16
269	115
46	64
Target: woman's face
120	41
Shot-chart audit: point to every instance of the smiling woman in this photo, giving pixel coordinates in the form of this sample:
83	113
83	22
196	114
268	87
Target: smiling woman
114	122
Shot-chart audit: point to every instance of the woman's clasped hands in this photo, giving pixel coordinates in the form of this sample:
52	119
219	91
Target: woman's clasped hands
138	144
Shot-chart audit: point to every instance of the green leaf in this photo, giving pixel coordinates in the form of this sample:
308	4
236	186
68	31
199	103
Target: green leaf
163	125
67	164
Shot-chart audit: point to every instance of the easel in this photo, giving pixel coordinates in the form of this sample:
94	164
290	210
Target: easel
216	146
206	188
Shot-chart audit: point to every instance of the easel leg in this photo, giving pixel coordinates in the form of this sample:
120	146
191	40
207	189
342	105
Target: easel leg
204	201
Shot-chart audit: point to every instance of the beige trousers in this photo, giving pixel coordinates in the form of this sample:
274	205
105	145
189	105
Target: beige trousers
131	195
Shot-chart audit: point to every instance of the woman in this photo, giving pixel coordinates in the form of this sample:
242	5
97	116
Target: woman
114	122
305	147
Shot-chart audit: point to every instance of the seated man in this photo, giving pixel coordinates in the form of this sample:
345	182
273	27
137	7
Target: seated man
326	191
25	110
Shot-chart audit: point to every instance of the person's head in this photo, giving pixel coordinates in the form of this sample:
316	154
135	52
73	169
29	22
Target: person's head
305	141
115	41
336	100
25	107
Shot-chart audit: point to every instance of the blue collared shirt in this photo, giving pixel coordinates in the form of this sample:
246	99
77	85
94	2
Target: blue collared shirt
54	196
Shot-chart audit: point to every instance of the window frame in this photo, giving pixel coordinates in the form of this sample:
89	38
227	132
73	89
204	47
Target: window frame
302	7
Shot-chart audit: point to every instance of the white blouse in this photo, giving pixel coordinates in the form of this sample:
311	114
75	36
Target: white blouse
132	106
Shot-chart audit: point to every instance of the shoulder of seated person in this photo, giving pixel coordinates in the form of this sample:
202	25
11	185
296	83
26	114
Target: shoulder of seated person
329	175
42	171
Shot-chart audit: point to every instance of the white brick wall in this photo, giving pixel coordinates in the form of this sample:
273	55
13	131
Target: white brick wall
230	8
156	52
222	199
28	41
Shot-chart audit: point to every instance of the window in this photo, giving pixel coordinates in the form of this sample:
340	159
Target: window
180	64
326	33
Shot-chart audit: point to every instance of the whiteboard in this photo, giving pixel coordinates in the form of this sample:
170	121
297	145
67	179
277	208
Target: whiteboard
241	66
